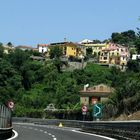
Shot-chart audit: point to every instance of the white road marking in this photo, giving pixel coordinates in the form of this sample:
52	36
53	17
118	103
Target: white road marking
49	127
93	135
15	135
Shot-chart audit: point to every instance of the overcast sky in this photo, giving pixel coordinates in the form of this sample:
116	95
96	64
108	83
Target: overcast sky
29	22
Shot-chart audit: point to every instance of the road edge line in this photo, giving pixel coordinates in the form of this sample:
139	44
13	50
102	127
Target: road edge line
15	135
94	135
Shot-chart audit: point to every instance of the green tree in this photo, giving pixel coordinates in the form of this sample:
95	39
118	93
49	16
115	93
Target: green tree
137	44
89	52
1	50
10	44
127	38
56	52
18	58
10	82
133	65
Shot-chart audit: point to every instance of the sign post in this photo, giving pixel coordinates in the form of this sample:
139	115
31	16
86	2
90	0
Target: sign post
84	111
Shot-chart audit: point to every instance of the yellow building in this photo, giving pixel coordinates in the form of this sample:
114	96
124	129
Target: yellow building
96	47
114	54
70	49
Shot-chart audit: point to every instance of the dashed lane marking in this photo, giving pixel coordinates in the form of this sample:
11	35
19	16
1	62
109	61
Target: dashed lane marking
53	136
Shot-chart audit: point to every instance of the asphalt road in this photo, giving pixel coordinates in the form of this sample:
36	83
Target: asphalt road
42	132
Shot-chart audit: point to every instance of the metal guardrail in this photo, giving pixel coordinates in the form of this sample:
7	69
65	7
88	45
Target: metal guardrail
124	130
5	122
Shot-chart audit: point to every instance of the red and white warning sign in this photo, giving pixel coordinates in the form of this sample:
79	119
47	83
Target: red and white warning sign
84	108
10	104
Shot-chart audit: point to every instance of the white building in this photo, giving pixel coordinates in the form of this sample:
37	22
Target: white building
42	48
135	56
86	41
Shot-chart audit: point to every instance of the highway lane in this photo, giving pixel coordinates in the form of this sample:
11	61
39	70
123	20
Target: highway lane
44	132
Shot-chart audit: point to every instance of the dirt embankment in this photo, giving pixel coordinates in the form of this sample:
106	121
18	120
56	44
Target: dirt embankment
134	116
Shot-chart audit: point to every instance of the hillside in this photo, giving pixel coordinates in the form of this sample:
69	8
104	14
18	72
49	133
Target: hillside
133	116
33	85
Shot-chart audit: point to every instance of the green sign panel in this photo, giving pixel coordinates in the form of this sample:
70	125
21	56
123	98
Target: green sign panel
97	110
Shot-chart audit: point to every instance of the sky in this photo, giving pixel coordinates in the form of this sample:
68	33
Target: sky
32	22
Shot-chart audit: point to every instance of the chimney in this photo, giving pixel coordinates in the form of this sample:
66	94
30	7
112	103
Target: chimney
85	87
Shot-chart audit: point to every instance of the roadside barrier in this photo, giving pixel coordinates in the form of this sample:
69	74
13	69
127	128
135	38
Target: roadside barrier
5	122
122	130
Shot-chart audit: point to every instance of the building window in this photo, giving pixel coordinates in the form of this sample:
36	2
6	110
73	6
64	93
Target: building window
101	88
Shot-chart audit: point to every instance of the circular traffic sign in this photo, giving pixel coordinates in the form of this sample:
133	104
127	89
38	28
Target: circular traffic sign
11	104
84	108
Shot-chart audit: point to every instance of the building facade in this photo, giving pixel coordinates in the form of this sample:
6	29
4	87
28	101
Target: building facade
42	48
95	94
70	49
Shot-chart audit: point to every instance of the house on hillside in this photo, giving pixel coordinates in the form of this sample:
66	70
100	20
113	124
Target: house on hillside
8	49
96	47
114	54
136	57
42	48
97	93
70	49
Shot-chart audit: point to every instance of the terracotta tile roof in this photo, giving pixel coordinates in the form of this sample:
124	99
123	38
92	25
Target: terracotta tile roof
42	45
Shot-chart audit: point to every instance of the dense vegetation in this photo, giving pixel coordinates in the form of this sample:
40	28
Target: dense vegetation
32	85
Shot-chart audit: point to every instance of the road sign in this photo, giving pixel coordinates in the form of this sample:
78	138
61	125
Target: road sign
97	110
11	104
84	108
